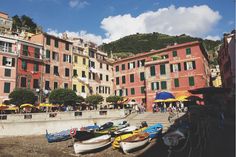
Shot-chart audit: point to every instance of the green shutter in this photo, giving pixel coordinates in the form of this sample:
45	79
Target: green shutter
36	52
48	42
142	76
157	84
24	65
132	91
163	85
56	43
131	77
188	51
174	53
162	69
152	70
7	87
142	90
176	81
48	54
36	67
152	85
123	79
194	64
117	81
123	66
191	81
117	68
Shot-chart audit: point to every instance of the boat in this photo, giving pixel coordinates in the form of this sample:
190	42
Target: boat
92	144
90	128
154	130
133	142
125	130
105	126
118	139
83	135
121	124
57	137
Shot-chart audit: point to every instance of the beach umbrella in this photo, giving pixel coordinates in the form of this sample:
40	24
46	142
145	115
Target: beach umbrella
46	105
182	98
164	95
170	100
159	100
27	105
3	106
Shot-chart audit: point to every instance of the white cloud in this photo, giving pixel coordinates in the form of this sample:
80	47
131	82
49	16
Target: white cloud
195	21
81	34
209	37
78	3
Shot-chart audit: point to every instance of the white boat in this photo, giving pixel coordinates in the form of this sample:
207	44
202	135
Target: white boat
135	141
92	144
125	130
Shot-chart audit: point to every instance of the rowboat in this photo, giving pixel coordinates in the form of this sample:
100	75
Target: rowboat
154	130
121	124
134	142
92	144
57	137
118	139
90	128
125	130
106	126
83	135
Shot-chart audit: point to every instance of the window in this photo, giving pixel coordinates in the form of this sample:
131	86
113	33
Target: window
92	64
188	51
162	69
117	81
74	88
100	65
91	54
123	66
107	67
56	42
142	77
84	61
48	54
55	70
83	89
100	76
131	77
67	72
121	92
123	79
189	65
142	90
23	82
175	67
67	47
48	40
55	85
7	86
24	65
8	61
93	76
191	81
131	65
83	74
36	52
65	85
47	68
107	78
132	91
35	83
141	63
176	81
163	85
155	85
55	56
164	56
152	71
174	53
47	85
7	72
76	59
117	68
66	58
75	73
36	67
25	50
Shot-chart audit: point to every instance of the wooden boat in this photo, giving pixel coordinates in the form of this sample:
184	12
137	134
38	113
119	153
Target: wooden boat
57	137
90	128
118	139
92	144
106	126
121	124
125	130
134	142
154	130
83	135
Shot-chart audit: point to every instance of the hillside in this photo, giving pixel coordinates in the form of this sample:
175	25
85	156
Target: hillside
138	43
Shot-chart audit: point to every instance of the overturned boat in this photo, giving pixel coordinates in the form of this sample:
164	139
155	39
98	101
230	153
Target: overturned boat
57	137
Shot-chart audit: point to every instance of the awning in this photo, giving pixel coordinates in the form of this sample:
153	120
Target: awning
26	105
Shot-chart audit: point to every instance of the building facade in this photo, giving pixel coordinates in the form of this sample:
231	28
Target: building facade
8	65
5	23
226	60
175	69
57	62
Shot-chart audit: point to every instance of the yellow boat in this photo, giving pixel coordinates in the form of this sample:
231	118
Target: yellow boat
117	140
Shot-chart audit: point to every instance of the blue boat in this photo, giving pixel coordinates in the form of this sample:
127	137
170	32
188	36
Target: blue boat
154	130
90	128
57	137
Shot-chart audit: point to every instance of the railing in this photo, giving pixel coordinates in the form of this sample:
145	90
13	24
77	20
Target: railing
6	49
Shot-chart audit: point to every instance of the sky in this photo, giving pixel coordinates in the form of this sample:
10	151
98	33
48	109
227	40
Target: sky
103	21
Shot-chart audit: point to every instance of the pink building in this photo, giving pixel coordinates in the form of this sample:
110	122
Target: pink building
8	59
175	69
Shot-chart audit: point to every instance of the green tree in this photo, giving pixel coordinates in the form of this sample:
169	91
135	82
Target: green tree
94	100
114	99
21	96
63	96
80	99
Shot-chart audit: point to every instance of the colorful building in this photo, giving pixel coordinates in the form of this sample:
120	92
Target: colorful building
176	69
57	62
226	60
5	23
29	66
216	77
8	60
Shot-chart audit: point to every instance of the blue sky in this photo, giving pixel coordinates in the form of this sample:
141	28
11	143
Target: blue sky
108	20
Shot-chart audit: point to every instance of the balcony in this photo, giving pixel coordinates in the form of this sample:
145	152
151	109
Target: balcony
83	80
6	49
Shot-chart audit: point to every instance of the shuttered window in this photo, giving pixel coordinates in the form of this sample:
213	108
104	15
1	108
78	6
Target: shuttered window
131	77
155	85
48	54
142	76
117	81
24	65
36	67
123	79
36	52
174	53
163	85
7	86
176	81
132	91
152	71
191	81
123	66
142	90
188	51
48	40
162	69
117	68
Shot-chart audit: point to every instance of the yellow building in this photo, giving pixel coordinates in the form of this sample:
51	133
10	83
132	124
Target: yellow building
80	71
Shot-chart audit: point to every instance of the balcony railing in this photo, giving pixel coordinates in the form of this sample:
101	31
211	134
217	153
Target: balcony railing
6	49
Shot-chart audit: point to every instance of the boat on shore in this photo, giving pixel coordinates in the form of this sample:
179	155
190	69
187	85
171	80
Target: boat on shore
134	142
125	130
90	128
57	137
154	130
92	144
